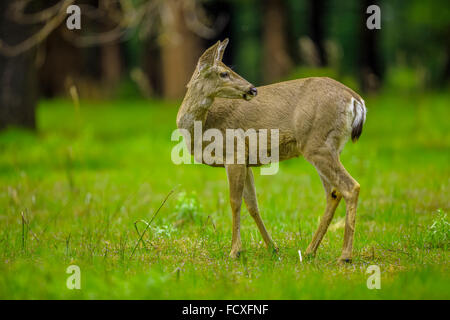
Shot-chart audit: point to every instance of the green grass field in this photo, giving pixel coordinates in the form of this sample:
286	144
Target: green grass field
85	177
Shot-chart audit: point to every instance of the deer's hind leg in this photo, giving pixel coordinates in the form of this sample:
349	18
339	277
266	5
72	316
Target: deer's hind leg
331	169
333	198
252	206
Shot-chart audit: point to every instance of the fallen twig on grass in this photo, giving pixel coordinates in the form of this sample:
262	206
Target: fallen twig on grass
395	250
148	224
135	226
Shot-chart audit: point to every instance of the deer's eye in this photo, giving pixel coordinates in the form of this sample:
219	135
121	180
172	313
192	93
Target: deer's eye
224	75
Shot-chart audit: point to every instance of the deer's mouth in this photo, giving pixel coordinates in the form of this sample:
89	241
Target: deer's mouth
250	94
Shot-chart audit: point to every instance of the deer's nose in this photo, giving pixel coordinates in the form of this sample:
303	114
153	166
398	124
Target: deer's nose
253	91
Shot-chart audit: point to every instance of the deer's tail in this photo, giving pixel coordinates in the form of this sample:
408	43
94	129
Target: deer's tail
359	117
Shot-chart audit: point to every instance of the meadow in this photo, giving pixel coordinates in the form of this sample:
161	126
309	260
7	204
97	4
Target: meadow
80	190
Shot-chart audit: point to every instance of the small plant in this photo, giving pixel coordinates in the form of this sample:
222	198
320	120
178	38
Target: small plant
437	235
164	231
188	208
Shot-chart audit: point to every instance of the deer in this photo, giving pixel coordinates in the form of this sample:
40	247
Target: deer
315	117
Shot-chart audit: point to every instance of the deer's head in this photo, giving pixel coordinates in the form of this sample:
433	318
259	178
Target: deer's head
218	80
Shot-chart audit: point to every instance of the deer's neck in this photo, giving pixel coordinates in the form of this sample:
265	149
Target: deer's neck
194	107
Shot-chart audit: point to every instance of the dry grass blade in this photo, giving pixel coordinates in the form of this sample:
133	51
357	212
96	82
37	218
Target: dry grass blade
136	227
148	224
28	229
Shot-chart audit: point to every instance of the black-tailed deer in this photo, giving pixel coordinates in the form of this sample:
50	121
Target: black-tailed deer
314	116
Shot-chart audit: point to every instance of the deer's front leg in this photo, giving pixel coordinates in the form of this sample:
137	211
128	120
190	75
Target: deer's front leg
252	206
236	174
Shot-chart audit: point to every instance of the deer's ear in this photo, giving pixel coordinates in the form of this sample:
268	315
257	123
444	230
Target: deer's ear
221	49
208	57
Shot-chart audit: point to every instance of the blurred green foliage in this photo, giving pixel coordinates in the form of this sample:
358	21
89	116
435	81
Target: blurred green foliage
414	35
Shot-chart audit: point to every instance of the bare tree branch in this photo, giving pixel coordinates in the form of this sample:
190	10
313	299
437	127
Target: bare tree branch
41	35
17	9
118	33
147	17
126	18
198	22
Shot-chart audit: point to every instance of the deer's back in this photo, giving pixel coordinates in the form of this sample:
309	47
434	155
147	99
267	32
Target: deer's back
301	110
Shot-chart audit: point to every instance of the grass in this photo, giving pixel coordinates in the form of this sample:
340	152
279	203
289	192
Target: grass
85	178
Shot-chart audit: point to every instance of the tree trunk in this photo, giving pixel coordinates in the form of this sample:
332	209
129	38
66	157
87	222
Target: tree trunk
179	51
110	59
62	65
277	62
371	70
317	8
18	85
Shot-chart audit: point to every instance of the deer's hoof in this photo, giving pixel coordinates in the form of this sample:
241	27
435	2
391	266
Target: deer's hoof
309	256
234	254
274	249
345	259
309	253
